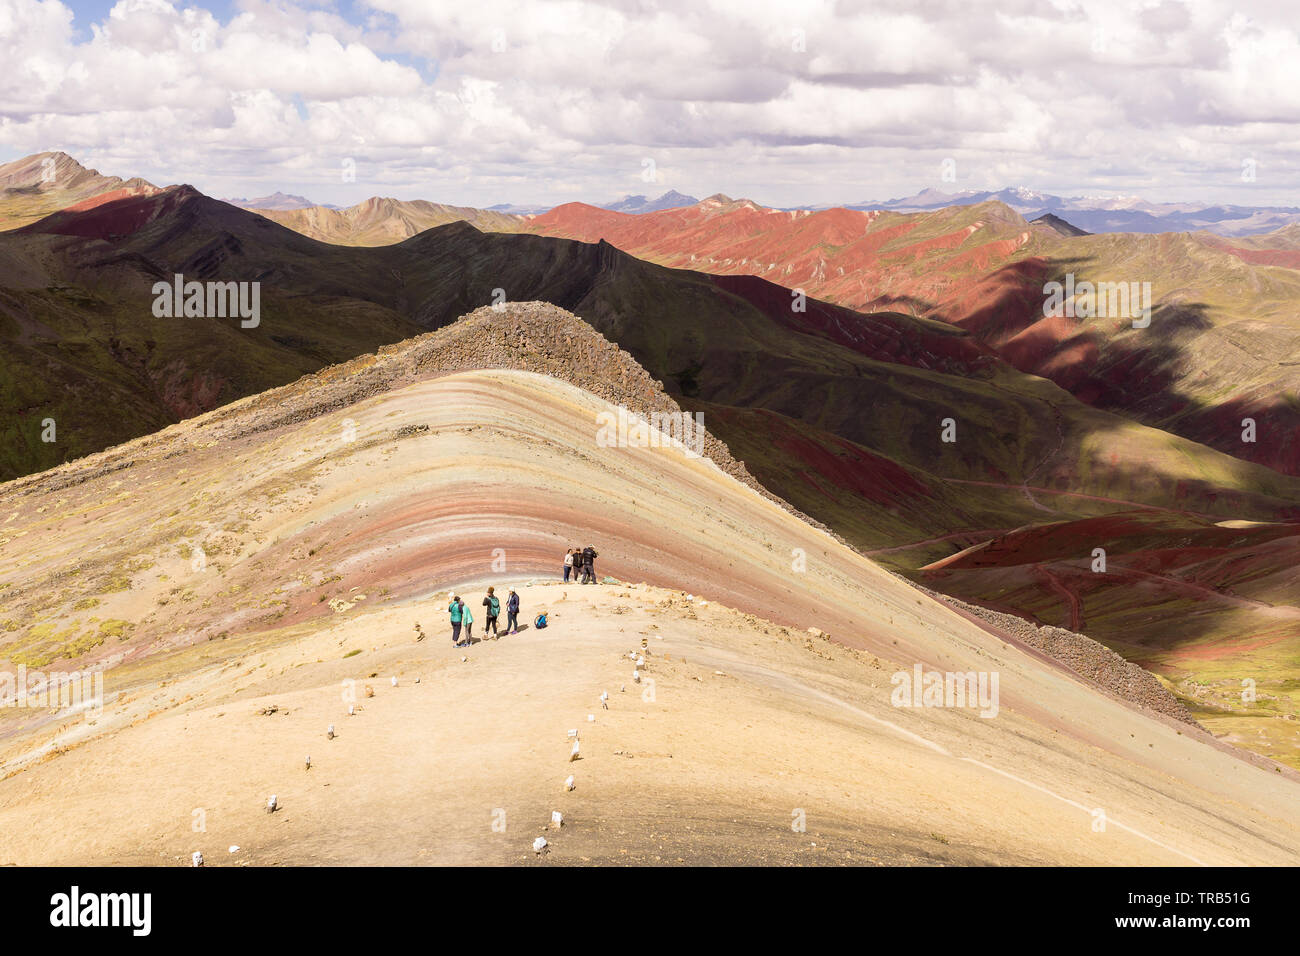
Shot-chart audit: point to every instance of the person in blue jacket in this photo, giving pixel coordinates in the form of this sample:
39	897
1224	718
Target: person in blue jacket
512	613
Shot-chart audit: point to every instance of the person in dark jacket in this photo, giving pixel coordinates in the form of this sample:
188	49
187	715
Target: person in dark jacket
493	605
589	556
512	613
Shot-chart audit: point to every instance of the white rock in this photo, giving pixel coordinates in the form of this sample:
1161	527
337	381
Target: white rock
329	732
573	754
352	710
309	761
557	819
271	805
573	733
636	677
234	848
568	782
539	844
196	858
591	718
394	681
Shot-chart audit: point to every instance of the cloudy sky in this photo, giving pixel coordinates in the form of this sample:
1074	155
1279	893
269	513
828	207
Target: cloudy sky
790	102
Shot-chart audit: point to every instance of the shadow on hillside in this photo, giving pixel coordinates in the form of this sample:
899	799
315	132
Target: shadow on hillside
1108	364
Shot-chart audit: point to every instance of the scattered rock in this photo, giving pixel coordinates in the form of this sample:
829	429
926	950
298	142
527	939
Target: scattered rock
1092	661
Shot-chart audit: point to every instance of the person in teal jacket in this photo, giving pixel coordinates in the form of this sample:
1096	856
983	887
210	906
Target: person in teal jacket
467	618
454	609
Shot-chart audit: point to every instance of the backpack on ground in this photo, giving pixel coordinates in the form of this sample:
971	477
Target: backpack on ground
540	622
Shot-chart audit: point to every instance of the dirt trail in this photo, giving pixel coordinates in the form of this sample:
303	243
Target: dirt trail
1073	606
738	734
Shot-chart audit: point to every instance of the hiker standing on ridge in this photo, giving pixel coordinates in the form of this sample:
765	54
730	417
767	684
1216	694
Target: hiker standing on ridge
454	609
568	566
589	556
493	605
512	613
467	618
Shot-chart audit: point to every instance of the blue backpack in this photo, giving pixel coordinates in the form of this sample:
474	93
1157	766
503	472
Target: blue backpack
540	622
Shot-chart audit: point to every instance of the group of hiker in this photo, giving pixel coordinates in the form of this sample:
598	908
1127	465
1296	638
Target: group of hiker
581	561
578	562
462	618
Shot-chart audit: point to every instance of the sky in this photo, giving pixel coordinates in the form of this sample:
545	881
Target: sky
797	102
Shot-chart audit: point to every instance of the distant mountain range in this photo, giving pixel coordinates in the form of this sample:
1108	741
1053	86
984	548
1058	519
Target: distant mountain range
639	204
1108	213
1210	359
278	201
381	221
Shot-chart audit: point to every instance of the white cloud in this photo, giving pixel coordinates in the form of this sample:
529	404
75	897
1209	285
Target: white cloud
790	100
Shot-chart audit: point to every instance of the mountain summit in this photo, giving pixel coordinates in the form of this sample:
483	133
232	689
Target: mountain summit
36	186
639	204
